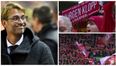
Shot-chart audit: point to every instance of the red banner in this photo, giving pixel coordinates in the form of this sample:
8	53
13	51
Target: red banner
81	11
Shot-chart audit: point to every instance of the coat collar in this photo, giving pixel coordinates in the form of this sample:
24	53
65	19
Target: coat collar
25	46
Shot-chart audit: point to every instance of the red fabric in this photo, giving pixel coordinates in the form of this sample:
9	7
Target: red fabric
109	25
105	23
98	21
100	41
81	47
91	61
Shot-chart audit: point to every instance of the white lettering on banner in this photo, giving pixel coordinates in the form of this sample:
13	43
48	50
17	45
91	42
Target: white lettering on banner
81	11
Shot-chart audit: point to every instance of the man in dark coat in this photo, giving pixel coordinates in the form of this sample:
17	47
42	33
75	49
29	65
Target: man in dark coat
18	44
45	29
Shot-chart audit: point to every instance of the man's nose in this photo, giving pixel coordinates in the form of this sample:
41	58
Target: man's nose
22	22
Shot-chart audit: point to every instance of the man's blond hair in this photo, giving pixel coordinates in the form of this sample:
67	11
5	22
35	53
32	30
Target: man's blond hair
8	7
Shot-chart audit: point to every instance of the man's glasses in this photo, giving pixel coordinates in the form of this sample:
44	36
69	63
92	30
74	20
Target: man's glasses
18	18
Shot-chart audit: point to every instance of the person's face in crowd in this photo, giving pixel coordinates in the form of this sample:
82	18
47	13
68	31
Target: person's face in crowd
62	27
35	24
16	21
92	27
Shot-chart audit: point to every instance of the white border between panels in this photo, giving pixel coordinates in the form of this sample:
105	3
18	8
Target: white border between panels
57	0
58	28
87	32
0	33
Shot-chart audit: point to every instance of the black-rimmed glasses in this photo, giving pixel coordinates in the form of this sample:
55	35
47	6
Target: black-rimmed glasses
18	18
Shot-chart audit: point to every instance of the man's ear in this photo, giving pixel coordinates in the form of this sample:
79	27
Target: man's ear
4	22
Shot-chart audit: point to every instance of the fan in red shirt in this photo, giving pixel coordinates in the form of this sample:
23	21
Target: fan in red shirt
105	23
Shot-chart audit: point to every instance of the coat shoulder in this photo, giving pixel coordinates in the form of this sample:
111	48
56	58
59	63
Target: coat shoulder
44	52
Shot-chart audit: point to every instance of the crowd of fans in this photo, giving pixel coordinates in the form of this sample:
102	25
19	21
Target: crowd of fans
103	20
70	54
